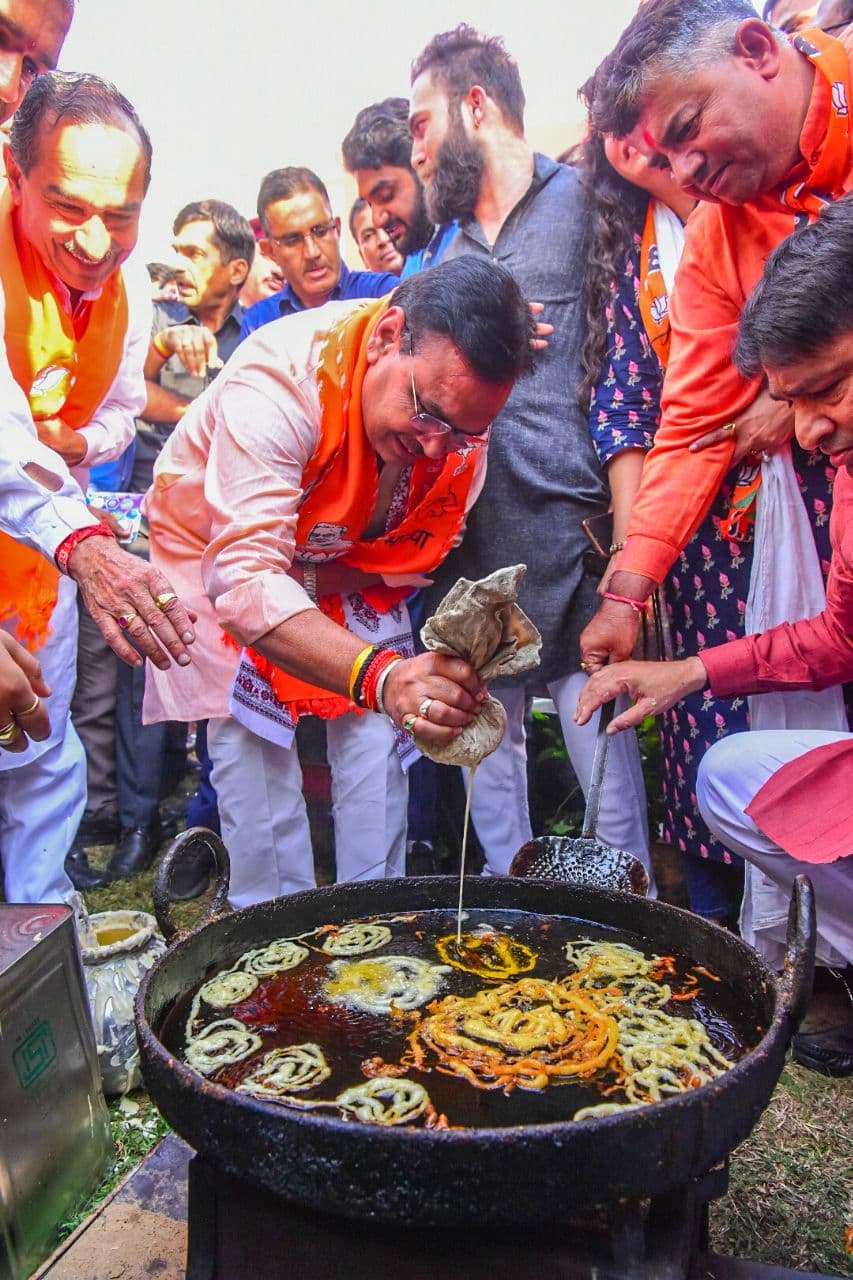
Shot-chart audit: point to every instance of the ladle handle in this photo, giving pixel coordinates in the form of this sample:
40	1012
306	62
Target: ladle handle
192	838
798	973
599	764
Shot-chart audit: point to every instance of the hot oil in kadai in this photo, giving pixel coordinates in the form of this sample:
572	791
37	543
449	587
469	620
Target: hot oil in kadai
293	1007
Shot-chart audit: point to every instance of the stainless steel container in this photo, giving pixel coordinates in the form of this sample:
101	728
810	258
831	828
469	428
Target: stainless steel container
54	1127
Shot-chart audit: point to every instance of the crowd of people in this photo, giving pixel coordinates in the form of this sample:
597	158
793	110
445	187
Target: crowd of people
232	487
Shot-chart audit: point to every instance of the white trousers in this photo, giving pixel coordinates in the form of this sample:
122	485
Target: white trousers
730	774
41	805
499	800
263	816
43	789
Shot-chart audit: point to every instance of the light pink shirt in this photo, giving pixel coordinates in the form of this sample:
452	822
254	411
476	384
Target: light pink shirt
224	506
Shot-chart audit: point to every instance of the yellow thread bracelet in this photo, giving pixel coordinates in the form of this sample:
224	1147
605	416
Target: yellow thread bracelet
355	670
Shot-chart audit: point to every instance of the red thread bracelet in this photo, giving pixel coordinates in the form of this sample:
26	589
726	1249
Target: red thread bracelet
639	606
63	552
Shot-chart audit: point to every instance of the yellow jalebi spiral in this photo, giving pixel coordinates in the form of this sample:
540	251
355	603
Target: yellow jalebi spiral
275	958
290	1070
488	955
601	962
663	1054
521	1034
228	988
384	982
384	1100
356	939
220	1044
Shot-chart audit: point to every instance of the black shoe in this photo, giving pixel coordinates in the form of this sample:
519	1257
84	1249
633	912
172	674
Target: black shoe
421	860
135	851
81	875
191	875
829	1051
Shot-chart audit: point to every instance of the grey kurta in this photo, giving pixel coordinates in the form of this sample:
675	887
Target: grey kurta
543	474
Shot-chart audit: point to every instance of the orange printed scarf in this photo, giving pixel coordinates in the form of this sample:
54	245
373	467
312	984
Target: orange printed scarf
341	484
65	367
829	166
654	300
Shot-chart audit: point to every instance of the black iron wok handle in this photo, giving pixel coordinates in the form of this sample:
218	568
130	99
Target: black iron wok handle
195	838
799	952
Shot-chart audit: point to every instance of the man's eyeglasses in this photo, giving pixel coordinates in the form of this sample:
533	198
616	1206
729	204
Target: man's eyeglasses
295	239
428	427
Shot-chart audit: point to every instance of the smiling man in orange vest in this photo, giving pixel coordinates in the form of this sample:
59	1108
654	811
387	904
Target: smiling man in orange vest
75	336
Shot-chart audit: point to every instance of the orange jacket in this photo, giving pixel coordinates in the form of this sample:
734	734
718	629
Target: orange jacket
723	259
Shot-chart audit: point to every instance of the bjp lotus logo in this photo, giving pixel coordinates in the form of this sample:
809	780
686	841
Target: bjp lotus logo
839	98
49	391
660	308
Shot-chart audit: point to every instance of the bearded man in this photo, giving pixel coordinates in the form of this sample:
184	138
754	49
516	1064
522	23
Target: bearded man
528	213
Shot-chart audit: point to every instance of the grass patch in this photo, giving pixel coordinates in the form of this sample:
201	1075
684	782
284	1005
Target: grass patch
135	1126
790	1198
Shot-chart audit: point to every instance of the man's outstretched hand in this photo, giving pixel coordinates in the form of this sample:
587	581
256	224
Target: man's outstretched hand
129	598
653	688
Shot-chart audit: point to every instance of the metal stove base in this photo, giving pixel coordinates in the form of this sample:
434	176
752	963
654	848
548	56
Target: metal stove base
141	1232
233	1225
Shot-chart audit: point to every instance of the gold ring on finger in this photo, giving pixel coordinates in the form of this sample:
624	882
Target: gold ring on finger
126	619
731	427
585	667
423	709
409	723
8	733
29	711
165	597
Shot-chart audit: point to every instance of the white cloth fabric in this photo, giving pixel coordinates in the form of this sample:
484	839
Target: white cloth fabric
669	238
786	585
730	775
253	700
43	514
499	806
263	816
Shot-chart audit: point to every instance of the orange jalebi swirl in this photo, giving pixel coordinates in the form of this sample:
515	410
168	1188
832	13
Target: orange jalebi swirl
519	1035
489	955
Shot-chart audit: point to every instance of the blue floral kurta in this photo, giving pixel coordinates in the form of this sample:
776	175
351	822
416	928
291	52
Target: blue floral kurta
707	589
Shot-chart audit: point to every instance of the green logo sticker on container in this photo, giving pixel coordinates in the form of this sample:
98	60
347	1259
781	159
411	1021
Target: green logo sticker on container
34	1056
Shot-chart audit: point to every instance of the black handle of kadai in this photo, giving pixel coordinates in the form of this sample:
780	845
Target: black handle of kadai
191	840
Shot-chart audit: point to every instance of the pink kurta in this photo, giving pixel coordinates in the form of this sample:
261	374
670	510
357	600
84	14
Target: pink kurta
223	507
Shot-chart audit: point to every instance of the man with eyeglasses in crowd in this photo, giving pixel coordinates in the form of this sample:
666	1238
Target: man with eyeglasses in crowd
303	237
332	463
